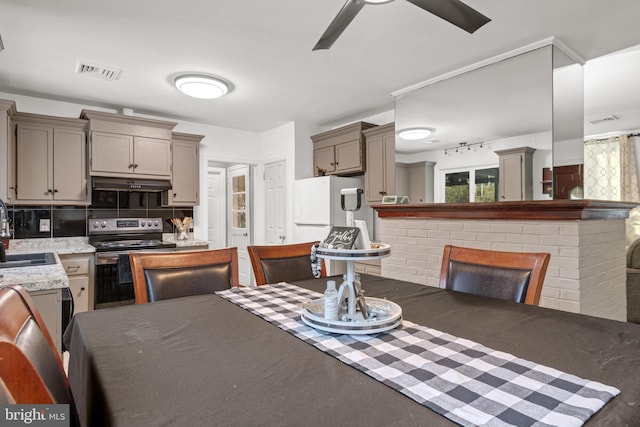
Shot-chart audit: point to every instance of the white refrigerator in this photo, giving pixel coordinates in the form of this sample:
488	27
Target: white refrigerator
317	207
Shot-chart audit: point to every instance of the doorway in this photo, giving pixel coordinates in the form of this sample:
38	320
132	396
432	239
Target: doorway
229	222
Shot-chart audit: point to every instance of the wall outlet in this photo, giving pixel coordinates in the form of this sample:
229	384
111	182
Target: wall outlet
45	225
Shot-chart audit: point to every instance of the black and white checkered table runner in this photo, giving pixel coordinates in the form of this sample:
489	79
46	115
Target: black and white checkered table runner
466	382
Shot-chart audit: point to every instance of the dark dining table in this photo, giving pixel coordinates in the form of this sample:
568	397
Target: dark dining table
202	360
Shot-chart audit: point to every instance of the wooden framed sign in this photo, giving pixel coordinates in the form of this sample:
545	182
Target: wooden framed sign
341	238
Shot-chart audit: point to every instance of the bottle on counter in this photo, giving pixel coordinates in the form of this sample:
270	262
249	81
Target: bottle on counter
331	301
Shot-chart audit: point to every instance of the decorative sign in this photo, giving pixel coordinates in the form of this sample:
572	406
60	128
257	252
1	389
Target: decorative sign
341	238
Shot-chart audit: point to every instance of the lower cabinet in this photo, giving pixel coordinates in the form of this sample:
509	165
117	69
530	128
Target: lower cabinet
49	304
79	269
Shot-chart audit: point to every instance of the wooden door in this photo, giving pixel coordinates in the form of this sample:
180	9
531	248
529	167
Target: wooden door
375	177
34	172
185	179
325	158
111	153
348	156
151	156
69	165
511	177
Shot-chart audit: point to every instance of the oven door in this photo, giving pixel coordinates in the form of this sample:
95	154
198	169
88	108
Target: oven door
113	286
113	278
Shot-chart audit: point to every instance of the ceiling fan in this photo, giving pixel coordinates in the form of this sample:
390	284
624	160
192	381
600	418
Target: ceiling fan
453	11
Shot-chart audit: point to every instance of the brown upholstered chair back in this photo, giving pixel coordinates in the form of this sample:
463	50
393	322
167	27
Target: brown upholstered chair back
6	398
31	368
165	275
513	276
282	263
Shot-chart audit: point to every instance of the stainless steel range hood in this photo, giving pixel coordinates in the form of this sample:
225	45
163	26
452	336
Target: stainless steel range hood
130	184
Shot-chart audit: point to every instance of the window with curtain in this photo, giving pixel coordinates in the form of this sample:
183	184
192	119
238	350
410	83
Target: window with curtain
611	173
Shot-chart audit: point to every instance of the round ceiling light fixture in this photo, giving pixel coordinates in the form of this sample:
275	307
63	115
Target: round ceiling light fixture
415	134
201	86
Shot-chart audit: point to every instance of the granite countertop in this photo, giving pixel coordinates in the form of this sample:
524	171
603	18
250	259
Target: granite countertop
43	277
53	276
191	242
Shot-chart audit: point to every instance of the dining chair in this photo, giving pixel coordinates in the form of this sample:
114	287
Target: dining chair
6	398
513	276
282	263
31	368
164	275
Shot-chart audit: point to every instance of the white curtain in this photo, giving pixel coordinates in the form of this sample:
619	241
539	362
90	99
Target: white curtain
611	173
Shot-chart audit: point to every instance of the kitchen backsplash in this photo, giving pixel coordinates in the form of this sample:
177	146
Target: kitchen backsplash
69	221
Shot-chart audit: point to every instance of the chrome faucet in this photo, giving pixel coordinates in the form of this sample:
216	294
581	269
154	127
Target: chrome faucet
5	231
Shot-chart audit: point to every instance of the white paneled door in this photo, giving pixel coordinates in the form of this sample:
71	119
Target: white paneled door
275	182
239	219
216	207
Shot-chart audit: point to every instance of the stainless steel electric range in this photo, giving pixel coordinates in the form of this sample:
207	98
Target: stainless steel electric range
113	239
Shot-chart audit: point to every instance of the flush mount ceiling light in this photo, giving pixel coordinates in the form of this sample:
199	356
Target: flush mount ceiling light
201	86
415	134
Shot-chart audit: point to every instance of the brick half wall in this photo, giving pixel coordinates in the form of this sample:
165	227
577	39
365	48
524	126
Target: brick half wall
587	270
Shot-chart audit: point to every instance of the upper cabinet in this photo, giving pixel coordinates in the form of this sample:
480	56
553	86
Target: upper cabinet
380	176
126	146
516	174
185	176
341	151
50	160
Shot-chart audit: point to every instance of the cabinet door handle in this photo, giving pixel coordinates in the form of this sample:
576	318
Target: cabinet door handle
49	191
55	190
73	268
174	194
333	164
82	289
135	165
130	165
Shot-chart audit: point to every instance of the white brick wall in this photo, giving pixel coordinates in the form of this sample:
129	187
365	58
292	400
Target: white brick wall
586	274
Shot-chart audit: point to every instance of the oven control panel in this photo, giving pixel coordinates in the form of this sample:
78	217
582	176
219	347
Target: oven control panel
124	225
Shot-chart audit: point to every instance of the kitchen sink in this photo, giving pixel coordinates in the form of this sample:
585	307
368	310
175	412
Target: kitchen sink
28	260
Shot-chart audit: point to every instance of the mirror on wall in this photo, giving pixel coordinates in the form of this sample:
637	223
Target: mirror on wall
531	100
568	126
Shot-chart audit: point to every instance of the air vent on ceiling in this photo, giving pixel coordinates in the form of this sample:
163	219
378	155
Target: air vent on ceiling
100	71
603	119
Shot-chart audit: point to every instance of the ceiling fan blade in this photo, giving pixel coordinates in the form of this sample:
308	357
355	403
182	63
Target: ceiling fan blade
339	23
455	12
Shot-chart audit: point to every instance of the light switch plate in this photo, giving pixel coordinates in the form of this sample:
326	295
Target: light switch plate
45	225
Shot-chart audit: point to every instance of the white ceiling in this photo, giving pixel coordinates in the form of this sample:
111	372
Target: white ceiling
264	48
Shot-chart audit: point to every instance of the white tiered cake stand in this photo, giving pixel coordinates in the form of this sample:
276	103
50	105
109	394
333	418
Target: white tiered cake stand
360	314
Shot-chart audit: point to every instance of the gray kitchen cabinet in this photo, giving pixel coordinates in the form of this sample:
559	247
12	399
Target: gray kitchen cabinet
117	155
80	269
380	175
341	151
185	173
127	146
50	160
416	181
49	304
516	174
7	150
